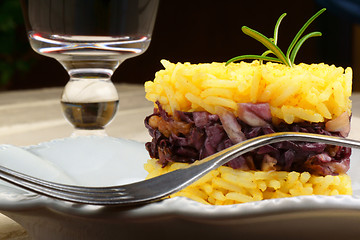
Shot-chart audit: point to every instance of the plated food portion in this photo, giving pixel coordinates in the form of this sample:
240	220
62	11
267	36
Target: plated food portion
201	109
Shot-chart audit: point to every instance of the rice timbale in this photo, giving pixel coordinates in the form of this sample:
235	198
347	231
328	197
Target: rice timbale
200	109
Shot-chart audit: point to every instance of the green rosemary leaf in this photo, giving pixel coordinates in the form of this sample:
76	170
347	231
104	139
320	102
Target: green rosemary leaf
276	30
271	43
265	54
258	57
301	31
267	43
300	42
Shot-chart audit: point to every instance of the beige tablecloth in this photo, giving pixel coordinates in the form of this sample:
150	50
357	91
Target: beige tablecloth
33	116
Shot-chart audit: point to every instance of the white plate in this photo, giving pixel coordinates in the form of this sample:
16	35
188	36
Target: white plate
101	161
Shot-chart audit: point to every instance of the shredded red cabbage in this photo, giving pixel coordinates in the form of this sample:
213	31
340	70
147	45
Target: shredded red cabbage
207	136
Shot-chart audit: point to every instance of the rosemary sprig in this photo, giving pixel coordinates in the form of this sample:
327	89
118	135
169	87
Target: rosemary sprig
271	43
277	25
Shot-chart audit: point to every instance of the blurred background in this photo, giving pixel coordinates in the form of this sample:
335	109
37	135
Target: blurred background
196	31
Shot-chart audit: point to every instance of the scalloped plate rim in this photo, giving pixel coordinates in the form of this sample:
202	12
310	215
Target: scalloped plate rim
174	206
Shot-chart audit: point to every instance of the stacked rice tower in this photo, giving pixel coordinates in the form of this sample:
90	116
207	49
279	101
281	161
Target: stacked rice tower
201	109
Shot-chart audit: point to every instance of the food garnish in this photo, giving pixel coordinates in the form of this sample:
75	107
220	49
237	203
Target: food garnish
271	43
200	109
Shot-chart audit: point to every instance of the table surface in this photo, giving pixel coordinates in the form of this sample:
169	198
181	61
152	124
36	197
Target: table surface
33	116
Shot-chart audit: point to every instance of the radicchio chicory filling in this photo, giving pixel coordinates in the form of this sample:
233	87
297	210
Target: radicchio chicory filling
190	136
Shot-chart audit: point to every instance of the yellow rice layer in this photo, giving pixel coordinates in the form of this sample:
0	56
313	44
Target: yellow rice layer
228	186
313	93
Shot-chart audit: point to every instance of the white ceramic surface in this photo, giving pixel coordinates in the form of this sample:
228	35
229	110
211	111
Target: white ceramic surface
101	161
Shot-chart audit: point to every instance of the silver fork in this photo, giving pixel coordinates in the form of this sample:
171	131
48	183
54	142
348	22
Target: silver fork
159	187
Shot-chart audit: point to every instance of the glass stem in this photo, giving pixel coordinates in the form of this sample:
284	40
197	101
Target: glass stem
90	99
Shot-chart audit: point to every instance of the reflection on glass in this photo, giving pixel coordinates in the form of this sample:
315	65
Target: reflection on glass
90	38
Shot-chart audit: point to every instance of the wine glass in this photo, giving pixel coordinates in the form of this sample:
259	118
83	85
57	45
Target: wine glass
90	38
